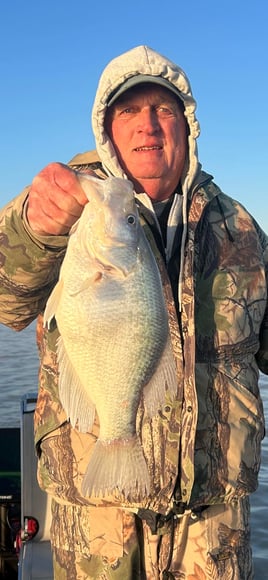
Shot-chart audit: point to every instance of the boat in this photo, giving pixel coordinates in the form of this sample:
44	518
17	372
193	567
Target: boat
25	510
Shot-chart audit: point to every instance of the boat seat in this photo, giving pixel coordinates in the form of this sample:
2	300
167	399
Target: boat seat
35	558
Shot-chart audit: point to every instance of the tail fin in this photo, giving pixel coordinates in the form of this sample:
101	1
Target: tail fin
117	465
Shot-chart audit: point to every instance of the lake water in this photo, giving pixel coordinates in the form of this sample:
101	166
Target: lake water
18	375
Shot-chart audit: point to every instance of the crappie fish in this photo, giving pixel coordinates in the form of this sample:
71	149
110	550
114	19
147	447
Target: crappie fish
114	344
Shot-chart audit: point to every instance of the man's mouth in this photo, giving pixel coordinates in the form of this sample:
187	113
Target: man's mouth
151	148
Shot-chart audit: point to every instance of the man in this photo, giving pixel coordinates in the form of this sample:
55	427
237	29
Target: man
203	450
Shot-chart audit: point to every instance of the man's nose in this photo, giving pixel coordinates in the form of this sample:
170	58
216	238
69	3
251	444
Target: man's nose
148	121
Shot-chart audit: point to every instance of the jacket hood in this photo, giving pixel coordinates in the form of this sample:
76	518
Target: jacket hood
143	60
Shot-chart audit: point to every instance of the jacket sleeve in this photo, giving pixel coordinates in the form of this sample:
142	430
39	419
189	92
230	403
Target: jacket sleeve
29	266
262	354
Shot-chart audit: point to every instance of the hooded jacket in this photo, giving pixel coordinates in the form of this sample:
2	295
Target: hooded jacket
204	448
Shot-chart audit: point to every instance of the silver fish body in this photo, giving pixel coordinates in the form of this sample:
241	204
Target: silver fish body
114	344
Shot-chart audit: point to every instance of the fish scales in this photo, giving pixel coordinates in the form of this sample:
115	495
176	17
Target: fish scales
114	341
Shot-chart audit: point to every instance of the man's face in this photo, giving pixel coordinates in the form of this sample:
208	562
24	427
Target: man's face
148	130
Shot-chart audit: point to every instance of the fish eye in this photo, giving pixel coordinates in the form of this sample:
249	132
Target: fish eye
131	219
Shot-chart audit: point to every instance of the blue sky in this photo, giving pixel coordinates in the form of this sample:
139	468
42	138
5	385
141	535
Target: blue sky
52	53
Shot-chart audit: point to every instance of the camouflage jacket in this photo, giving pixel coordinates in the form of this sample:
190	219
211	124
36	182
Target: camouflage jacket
220	339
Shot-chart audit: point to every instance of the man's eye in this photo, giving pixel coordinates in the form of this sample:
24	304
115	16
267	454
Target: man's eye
127	111
163	110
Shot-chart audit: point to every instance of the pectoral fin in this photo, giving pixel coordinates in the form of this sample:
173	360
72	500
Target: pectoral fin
95	278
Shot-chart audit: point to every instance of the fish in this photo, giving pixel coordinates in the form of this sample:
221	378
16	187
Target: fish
114	343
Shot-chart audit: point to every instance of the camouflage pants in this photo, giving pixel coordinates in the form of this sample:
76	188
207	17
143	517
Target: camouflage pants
114	544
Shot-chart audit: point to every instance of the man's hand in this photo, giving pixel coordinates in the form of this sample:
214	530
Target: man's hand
56	200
